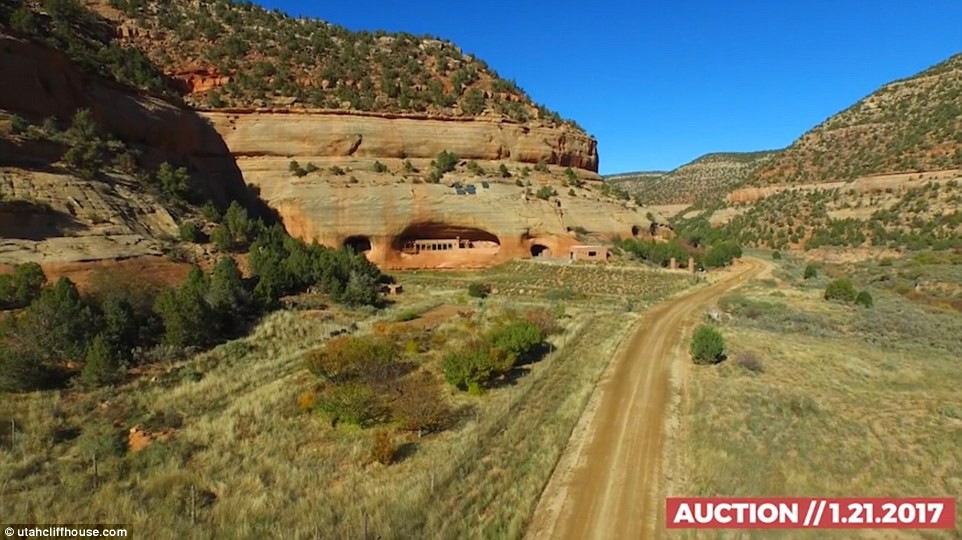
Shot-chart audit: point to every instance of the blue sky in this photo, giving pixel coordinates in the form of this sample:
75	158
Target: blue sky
661	83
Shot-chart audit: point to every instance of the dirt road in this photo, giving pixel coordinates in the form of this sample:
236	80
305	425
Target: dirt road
608	482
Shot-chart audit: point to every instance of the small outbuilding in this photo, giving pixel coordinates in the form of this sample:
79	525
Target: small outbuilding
588	253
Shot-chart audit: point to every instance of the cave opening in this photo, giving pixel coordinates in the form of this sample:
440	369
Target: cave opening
635	230
540	250
359	244
435	236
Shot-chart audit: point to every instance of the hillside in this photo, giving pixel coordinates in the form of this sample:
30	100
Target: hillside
697	182
910	125
260	122
229	54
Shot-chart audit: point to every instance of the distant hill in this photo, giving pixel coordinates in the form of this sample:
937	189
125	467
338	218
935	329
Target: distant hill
910	125
696	182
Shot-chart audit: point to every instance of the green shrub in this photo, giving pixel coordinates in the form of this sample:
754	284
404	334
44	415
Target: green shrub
445	162
864	299
190	232
478	290
173	182
503	170
295	168
545	192
469	365
721	254
811	271
841	289
777	255
541	166
707	346
380	167
353	403
514	341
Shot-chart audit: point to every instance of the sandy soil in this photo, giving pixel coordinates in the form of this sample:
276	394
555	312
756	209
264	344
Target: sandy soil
609	481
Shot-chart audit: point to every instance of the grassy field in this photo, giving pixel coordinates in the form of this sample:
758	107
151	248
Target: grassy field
820	398
235	454
631	285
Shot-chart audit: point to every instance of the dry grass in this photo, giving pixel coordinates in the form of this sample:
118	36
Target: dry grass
865	403
246	461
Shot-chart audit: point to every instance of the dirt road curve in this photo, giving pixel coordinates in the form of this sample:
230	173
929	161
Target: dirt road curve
606	485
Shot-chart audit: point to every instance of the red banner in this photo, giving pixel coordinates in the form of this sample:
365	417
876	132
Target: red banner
809	513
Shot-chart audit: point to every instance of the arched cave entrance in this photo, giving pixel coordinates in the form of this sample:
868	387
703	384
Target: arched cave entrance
635	230
540	250
360	244
432	236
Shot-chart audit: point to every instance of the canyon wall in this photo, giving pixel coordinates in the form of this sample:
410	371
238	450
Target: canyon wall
332	134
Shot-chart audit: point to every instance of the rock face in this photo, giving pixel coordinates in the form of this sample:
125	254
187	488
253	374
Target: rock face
252	133
389	215
400	221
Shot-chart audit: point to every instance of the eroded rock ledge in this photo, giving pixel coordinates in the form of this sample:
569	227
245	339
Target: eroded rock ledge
272	132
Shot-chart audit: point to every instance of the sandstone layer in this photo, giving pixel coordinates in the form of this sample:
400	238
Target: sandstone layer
330	134
383	212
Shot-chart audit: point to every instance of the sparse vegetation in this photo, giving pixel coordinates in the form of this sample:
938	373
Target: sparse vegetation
546	192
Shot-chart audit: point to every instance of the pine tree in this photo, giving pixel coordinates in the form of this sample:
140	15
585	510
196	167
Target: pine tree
102	367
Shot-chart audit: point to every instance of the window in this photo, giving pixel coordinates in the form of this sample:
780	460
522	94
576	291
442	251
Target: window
592	253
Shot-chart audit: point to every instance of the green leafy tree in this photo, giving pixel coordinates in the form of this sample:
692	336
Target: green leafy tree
811	271
184	312
226	294
121	327
58	324
102	366
22	286
707	346
20	370
85	152
241	227
503	169
174	182
362	289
